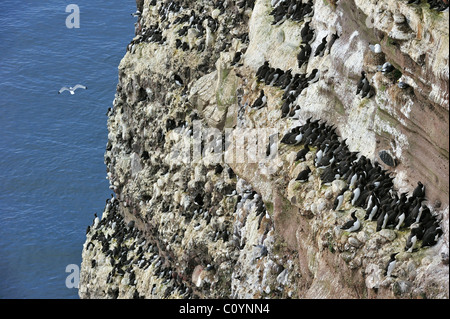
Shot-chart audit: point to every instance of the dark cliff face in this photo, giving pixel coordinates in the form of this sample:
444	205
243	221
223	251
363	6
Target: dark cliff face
189	221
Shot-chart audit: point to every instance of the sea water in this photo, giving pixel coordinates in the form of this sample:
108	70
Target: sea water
52	175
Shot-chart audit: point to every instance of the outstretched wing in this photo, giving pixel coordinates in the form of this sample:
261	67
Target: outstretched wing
79	86
64	88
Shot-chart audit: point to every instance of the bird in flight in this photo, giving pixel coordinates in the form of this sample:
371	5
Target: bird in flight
72	89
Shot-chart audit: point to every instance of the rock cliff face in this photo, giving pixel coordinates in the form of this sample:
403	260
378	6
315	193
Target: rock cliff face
206	203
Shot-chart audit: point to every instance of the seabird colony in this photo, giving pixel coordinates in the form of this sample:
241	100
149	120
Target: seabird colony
370	185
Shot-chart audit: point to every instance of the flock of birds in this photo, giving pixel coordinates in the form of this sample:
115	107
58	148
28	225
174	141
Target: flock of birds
438	5
295	10
198	22
293	85
371	188
131	251
370	185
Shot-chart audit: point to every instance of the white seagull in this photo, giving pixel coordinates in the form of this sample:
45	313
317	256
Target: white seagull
375	48
72	89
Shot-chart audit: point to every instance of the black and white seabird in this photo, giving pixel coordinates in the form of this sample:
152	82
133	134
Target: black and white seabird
136	14
305	30
303	175
367	90
295	112
302	153
415	235
314	76
72	89
356	193
338	202
96	221
387	67
236	58
390	265
321	47
361	82
333	38
272	145
372	211
318	158
402	85
400	218
178	80
310	37
261	72
303	55
261	101
352	225
419	191
286	107
431	235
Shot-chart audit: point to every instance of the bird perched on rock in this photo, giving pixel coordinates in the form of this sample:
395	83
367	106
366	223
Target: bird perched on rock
271	146
415	235
305	30
333	38
286	107
303	175
262	70
386	68
321	47
314	76
303	55
431	235
236	58
136	14
361	82
339	201
302	153
387	158
375	48
309	37
352	225
390	265
178	80
96	221
419	191
367	89
402	85
261	101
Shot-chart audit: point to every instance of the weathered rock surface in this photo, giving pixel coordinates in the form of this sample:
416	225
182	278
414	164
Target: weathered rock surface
188	220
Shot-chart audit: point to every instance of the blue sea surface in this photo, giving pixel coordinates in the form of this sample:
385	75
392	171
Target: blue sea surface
52	175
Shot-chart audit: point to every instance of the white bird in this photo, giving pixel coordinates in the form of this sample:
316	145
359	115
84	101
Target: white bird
136	14
96	221
72	89
375	48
